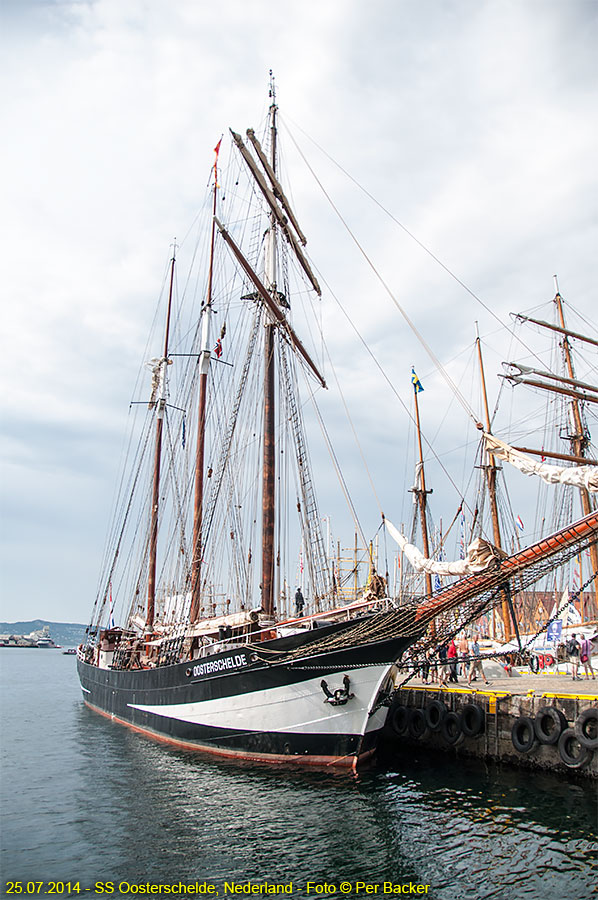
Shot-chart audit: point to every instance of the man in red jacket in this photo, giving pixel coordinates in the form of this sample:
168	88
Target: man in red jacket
452	660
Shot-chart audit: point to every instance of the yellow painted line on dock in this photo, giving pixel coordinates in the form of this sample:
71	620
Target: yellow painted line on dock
531	692
555	696
463	690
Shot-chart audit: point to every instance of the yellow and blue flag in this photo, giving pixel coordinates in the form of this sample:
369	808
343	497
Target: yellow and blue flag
417	385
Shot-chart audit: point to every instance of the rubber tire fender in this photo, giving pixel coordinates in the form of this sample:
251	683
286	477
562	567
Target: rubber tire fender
435	713
399	720
572	751
549	724
473	719
452	728
586	728
418	728
523	735
534	665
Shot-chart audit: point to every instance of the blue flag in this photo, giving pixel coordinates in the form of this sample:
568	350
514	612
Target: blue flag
555	629
417	385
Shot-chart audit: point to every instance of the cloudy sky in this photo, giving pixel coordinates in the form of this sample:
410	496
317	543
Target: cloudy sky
472	122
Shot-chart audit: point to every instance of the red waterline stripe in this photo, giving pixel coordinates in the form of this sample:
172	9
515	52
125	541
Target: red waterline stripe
345	762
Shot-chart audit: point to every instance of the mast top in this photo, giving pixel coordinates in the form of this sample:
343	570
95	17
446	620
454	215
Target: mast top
273	127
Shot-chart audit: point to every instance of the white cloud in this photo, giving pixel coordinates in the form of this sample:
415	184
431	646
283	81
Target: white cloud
472	123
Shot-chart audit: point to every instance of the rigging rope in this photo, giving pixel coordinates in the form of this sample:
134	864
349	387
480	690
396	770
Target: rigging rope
413	238
469	411
412	620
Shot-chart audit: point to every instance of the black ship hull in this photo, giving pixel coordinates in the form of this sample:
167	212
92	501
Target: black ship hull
236	705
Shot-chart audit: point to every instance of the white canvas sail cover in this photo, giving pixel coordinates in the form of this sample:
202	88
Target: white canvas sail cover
481	555
578	476
234	620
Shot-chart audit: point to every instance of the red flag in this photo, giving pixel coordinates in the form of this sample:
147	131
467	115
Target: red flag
216	151
218	348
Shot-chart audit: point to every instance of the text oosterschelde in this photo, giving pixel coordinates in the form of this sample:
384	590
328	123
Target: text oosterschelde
219	665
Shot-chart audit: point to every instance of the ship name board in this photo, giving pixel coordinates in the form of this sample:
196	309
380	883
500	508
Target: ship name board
210	666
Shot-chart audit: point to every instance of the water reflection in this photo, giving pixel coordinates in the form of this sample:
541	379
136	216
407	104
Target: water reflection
468	829
90	799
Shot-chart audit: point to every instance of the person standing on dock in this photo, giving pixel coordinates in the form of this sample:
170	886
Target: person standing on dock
424	667
445	669
463	648
452	659
572	648
585	657
475	666
432	665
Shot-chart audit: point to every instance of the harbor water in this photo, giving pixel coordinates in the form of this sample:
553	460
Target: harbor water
87	801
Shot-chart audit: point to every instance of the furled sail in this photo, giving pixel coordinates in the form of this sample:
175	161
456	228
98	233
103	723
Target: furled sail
481	556
578	476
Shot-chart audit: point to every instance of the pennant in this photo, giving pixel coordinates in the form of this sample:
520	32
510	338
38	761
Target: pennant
216	151
111	618
218	348
417	385
462	537
519	523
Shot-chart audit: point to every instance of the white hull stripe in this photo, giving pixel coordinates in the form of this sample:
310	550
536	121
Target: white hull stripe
297	708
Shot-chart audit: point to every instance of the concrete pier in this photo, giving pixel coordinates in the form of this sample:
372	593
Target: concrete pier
528	720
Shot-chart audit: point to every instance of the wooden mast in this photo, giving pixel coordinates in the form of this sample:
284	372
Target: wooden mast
269	438
561	329
420	490
491	470
160	407
586	398
267	292
204	367
579	440
268	476
582	460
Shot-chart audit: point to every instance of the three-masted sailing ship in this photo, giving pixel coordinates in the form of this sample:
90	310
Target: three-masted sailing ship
208	654
564	459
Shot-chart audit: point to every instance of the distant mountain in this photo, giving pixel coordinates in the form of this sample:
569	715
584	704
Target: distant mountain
67	634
